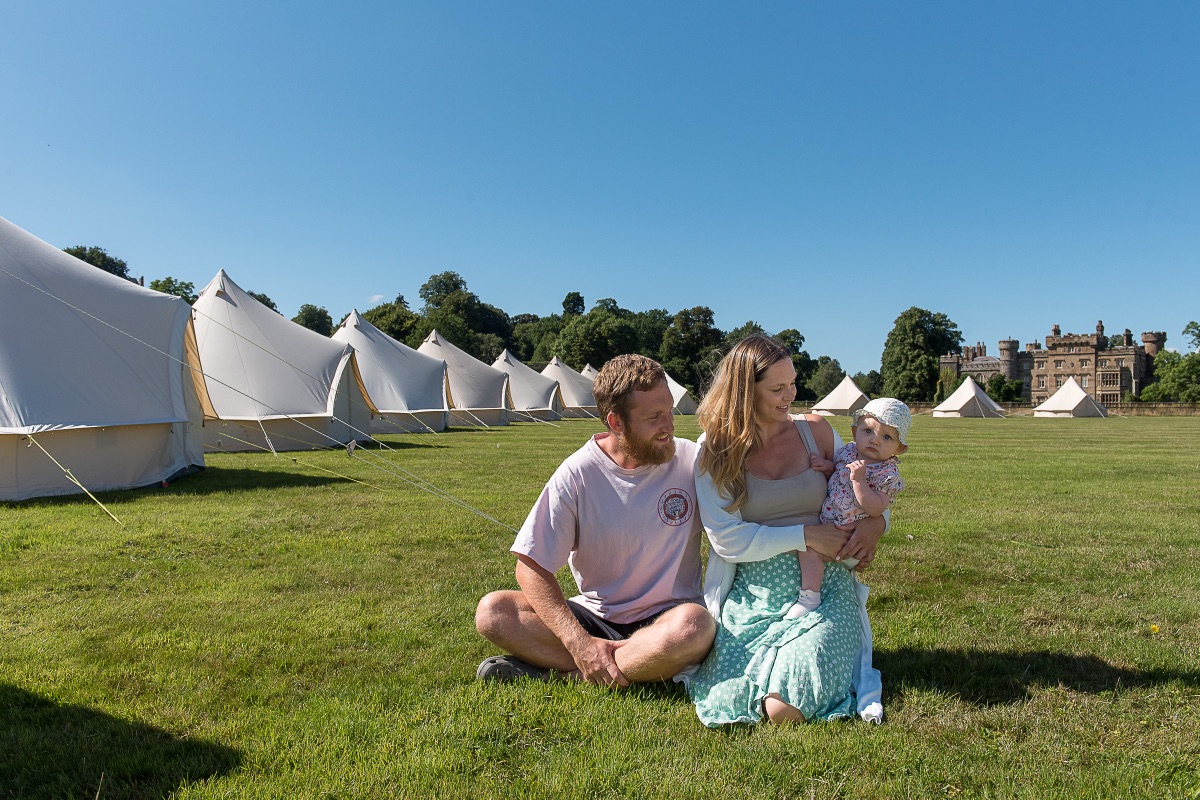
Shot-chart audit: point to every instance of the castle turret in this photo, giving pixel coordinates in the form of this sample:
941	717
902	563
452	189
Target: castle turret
1154	342
1008	358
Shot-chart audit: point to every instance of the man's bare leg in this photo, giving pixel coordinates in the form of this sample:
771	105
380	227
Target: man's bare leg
682	636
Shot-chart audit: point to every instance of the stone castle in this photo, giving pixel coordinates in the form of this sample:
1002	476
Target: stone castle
1107	370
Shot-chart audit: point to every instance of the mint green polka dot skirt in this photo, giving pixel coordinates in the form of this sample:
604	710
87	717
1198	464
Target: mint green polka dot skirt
808	661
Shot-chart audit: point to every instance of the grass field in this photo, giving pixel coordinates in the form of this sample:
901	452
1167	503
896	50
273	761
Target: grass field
271	628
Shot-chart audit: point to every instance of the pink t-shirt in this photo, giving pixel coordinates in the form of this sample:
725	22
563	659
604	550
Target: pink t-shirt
631	536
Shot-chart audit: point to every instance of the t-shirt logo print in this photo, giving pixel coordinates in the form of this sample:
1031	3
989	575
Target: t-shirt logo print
675	507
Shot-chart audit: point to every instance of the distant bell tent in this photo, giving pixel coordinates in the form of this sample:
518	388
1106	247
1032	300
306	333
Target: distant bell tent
534	396
96	374
576	390
275	385
682	399
589	371
1070	401
479	394
844	400
968	400
409	388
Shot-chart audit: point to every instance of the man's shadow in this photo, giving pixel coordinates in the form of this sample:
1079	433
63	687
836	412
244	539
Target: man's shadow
53	750
990	677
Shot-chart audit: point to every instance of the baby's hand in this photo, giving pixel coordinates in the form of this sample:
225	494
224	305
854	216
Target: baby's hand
858	470
821	465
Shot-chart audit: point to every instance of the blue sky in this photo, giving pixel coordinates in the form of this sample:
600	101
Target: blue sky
822	166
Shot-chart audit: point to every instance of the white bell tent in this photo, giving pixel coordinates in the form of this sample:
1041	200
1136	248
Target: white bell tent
274	384
479	394
1070	401
589	372
968	400
534	396
408	388
96	373
844	400
684	402
576	390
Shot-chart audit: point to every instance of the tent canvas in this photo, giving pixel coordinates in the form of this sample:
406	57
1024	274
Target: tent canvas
408	388
479	394
99	371
589	372
533	394
684	403
844	400
968	400
576	390
1071	400
274	384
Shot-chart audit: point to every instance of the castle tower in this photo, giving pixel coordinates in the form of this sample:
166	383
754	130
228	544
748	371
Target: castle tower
1008	358
1154	342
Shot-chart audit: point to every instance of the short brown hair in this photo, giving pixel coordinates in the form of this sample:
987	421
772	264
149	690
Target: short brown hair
620	378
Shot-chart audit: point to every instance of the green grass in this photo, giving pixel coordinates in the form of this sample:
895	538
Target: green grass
271	628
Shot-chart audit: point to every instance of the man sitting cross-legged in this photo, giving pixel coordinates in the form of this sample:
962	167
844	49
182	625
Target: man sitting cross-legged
621	511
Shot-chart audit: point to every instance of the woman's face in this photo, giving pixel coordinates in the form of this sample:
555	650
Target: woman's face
773	395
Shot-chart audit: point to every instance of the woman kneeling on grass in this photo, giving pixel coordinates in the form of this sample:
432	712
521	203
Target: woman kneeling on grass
760	500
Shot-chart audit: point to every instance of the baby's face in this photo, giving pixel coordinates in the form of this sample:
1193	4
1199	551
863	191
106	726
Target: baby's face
876	441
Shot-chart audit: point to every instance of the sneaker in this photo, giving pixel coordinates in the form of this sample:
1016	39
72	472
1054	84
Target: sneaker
509	668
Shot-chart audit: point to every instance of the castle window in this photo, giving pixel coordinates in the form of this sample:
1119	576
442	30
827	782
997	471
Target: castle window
1083	363
1071	349
1058	364
1120	362
1104	362
1041	382
1041	365
1083	381
1058	381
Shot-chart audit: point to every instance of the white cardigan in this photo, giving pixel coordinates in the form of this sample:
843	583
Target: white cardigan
733	540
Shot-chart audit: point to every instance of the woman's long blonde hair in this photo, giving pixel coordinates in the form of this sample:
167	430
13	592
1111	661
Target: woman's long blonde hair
727	414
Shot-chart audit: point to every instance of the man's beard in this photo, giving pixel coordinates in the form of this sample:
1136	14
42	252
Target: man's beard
647	451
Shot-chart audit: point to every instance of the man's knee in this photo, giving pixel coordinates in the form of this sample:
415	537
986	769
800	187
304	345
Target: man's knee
494	615
689	627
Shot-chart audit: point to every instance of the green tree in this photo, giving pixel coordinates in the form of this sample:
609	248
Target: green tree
651	324
169	285
1002	390
1177	377
911	352
826	377
315	318
869	383
595	337
572	304
395	319
434	291
266	301
688	343
1192	331
98	257
748	328
805	364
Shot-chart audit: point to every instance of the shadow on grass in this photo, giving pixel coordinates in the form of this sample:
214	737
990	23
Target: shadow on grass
52	750
986	677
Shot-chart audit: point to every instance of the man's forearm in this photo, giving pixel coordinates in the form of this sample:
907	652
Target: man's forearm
545	595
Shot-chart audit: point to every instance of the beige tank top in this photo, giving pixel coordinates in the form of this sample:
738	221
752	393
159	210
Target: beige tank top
788	501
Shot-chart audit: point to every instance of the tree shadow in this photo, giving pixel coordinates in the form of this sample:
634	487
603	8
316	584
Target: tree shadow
53	750
988	678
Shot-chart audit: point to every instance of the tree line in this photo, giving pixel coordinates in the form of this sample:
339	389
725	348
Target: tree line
687	343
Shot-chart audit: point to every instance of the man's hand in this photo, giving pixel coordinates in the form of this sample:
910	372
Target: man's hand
863	541
597	662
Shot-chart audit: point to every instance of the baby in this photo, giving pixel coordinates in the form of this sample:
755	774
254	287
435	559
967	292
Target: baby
864	479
